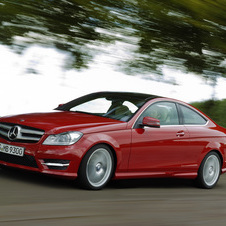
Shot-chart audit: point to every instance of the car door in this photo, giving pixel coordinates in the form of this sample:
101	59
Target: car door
161	149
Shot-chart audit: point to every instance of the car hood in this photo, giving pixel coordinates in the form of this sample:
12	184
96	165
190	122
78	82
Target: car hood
62	121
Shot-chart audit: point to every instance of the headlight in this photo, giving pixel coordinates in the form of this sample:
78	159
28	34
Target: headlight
66	138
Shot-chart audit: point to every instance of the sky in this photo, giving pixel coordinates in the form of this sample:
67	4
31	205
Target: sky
36	80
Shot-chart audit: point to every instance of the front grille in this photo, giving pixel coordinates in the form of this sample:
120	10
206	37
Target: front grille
26	160
23	134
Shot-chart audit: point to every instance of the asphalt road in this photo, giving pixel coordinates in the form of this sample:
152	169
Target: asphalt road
33	199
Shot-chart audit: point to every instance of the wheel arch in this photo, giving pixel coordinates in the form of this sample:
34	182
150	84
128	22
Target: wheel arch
216	151
111	149
113	153
118	143
214	145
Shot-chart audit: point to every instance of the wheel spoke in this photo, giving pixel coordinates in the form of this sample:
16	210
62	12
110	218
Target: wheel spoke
211	170
99	167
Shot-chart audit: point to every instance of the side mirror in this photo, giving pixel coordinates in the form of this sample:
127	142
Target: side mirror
151	122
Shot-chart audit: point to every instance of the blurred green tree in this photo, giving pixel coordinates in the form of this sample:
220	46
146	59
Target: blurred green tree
215	109
186	35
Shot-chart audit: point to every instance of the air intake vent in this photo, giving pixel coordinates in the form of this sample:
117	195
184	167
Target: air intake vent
26	160
20	133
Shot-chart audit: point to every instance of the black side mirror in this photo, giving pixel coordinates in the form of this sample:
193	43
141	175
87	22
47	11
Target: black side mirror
150	122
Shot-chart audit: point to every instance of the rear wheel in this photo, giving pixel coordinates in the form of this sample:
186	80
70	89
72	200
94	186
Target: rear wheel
209	171
96	168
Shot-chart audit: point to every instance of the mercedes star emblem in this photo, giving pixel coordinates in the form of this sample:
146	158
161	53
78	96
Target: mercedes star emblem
13	132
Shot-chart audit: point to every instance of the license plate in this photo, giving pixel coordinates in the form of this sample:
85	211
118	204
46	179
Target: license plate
11	149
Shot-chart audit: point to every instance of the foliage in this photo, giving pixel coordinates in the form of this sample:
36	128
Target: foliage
187	35
215	109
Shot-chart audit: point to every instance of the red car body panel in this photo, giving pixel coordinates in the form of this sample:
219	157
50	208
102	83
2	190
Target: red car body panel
96	130
139	152
57	122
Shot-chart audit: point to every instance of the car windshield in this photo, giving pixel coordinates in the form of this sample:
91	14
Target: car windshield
114	105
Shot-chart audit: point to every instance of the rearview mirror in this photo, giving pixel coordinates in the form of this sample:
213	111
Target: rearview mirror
151	122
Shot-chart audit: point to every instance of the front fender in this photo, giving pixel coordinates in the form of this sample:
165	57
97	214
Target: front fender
120	142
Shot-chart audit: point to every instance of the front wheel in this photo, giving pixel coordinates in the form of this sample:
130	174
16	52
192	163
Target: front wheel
209	171
96	168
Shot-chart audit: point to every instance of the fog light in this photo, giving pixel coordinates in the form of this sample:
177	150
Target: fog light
57	164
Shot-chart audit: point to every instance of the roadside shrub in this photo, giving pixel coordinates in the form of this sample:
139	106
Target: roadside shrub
215	109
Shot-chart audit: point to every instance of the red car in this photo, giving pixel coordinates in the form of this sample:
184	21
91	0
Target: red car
116	135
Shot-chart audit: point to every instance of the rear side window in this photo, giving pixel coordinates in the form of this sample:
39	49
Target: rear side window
191	117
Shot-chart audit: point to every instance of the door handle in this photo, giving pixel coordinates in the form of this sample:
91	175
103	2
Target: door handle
180	133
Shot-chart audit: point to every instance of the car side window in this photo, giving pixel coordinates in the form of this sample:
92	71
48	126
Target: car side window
191	117
166	112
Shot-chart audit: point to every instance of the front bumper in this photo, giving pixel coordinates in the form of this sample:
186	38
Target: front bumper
61	161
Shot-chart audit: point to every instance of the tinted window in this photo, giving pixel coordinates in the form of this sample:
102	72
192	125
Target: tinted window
166	112
191	117
115	105
121	110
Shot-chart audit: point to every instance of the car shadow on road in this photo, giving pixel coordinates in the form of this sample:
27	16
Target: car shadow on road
56	182
152	183
30	177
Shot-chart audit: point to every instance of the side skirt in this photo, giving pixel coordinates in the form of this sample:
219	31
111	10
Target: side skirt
130	175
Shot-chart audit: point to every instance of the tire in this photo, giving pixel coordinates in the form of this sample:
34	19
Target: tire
209	171
96	168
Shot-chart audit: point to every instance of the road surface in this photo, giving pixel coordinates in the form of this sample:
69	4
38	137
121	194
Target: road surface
29	199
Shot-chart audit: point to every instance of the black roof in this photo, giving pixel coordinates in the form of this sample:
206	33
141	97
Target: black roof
124	94
109	95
